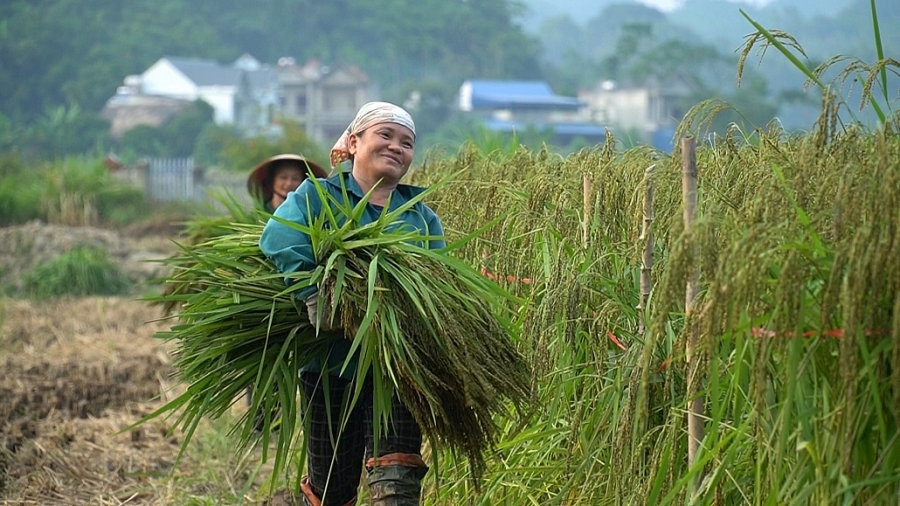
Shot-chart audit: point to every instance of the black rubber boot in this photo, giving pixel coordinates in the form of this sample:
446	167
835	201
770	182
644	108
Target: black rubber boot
395	485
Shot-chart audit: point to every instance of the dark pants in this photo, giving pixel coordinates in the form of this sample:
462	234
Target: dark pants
336	456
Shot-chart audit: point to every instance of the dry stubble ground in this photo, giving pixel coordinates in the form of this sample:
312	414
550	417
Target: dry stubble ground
75	373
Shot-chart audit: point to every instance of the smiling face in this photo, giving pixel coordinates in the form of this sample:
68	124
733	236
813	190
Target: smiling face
382	152
287	177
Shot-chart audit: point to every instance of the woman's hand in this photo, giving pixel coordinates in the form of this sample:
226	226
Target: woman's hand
312	312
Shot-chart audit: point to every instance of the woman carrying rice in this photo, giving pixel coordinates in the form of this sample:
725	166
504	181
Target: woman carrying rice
380	144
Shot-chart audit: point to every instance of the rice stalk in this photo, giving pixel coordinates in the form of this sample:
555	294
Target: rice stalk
795	232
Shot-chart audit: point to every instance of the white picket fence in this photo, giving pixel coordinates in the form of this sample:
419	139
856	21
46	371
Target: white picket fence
178	179
170	179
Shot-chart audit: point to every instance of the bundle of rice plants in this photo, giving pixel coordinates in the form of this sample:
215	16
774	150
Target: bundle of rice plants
237	328
423	324
203	228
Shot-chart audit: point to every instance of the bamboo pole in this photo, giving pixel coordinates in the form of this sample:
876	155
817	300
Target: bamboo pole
695	402
647	255
586	221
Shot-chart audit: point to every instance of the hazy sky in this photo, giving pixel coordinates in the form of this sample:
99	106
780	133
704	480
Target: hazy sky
668	5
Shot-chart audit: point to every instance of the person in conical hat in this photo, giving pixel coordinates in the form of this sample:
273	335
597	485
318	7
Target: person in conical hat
272	179
270	182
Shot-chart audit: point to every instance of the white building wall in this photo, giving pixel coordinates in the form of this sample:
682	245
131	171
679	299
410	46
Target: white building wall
221	98
465	97
163	79
624	108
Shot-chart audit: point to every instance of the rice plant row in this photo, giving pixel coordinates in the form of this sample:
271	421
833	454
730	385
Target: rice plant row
796	244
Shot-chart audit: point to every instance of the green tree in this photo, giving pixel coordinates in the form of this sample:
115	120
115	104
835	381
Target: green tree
430	101
698	67
62	131
181	132
241	156
78	51
213	141
176	138
141	141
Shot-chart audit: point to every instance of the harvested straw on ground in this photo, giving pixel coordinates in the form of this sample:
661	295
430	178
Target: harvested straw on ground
423	324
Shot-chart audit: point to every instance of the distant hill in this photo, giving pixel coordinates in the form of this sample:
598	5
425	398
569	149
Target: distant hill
588	33
730	27
537	11
823	27
581	10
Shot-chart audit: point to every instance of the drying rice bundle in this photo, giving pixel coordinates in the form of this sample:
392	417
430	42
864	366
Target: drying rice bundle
424	325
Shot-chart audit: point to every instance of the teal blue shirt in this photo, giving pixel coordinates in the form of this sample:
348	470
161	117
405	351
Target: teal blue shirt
291	250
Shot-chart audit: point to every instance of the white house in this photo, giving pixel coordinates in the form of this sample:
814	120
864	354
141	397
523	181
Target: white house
647	108
190	79
247	94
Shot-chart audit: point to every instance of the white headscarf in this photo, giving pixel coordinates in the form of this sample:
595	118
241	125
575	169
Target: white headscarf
370	114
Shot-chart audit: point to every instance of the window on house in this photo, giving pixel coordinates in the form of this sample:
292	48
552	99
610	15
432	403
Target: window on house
301	104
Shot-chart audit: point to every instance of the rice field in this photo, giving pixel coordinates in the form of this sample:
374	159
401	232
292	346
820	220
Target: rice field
797	303
794	245
748	357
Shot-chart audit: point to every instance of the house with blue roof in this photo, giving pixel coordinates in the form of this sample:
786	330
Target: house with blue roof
514	106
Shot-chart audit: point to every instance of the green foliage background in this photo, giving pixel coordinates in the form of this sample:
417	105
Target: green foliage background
72	191
62	59
244	154
63	52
